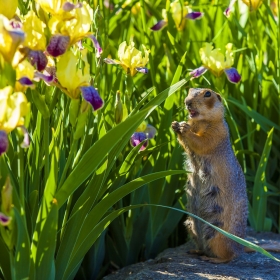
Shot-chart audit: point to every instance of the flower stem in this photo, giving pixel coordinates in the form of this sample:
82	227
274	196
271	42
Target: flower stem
73	150
46	148
147	43
21	178
129	92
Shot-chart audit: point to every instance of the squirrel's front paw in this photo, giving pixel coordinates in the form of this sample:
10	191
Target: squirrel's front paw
180	127
176	127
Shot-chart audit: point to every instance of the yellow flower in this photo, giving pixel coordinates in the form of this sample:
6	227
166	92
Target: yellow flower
76	28
8	8
34	30
70	76
214	60
252	4
178	14
217	63
55	8
10	39
74	80
13	107
131	59
274	8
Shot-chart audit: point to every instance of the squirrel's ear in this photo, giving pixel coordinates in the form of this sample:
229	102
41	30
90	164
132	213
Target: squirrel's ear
219	97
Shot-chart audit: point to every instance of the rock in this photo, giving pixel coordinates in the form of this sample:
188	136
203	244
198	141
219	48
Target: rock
177	264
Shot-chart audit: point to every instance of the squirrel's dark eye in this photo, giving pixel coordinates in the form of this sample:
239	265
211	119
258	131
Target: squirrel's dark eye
207	94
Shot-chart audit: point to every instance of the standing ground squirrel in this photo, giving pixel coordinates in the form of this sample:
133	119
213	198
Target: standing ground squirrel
216	188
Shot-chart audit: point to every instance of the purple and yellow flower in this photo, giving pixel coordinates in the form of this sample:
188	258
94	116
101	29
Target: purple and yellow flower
252	4
8	8
131	59
179	14
35	41
59	9
13	108
74	80
143	132
214	61
70	31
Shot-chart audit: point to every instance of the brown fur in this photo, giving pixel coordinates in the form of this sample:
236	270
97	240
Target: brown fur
216	188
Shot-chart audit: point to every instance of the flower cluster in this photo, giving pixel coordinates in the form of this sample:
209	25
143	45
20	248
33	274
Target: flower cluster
214	61
28	45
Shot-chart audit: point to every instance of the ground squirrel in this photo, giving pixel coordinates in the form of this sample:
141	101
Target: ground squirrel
216	188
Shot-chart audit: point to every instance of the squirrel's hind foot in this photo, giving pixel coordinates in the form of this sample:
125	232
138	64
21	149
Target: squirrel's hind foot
195	252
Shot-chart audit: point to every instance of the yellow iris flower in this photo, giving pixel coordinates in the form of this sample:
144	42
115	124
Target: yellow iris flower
214	60
8	8
34	31
10	39
55	8
69	76
76	28
131	59
178	14
13	107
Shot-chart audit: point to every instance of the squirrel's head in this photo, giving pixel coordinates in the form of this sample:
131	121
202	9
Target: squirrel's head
204	104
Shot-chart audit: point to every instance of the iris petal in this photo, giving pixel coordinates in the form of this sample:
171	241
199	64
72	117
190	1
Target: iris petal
150	131
38	59
96	44
67	6
92	96
142	70
137	138
232	75
25	81
4	143
194	15
47	78
159	25
58	45
198	72
4	220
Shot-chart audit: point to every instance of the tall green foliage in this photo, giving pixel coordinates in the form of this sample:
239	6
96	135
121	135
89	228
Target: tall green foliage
82	196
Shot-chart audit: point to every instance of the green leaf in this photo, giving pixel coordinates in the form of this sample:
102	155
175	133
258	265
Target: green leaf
45	268
22	253
99	210
5	264
260	188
